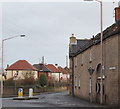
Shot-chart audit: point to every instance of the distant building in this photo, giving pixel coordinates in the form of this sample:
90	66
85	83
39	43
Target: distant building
64	74
42	69
21	69
55	74
85	54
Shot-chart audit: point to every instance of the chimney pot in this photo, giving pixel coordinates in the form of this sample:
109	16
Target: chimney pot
7	65
117	12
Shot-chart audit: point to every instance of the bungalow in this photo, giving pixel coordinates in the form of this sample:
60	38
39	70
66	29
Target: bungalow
21	69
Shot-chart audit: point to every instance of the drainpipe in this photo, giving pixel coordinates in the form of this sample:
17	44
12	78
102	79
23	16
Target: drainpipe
72	76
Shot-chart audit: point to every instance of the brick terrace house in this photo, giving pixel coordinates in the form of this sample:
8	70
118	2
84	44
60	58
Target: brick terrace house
42	69
85	54
21	68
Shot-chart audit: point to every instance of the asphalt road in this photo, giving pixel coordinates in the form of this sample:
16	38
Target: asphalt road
61	99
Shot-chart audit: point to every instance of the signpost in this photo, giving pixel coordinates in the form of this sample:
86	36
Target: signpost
15	78
90	70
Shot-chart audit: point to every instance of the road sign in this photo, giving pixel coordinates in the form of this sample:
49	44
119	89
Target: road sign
90	70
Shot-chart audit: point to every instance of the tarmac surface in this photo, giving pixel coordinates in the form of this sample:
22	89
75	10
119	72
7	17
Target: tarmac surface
61	99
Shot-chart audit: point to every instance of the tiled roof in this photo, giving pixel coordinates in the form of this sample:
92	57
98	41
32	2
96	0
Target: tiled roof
52	68
41	67
62	70
108	32
79	45
67	69
21	65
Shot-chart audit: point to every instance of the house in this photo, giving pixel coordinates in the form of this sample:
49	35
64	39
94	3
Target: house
52	71
42	69
91	79
21	69
64	74
55	74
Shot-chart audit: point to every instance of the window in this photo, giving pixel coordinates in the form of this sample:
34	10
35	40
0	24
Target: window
90	55
82	60
79	82
75	81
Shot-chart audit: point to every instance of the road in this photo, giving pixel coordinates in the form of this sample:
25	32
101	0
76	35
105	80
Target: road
61	99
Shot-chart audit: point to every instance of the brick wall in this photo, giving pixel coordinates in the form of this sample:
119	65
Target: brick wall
111	57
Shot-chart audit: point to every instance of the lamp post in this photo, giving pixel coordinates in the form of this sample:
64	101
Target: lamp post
3	40
101	28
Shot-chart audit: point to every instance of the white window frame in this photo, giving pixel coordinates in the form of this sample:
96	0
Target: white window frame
82	59
90	55
79	82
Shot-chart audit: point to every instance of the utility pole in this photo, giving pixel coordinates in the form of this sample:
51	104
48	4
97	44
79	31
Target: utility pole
67	61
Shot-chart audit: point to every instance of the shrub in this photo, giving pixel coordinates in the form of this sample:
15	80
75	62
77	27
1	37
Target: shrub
27	81
43	80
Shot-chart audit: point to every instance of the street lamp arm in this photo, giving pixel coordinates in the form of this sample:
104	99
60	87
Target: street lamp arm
100	1
13	37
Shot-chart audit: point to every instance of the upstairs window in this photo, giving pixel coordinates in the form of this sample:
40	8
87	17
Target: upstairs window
79	82
90	59
82	60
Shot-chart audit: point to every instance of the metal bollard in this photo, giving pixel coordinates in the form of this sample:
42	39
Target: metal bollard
30	92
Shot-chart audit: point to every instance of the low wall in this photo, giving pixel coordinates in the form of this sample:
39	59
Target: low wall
12	91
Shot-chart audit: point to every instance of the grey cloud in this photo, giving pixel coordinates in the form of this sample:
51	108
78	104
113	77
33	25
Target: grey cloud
48	27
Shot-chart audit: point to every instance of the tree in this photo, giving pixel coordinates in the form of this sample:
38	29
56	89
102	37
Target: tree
43	80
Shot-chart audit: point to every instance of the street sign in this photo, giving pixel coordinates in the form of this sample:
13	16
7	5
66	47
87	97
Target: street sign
90	70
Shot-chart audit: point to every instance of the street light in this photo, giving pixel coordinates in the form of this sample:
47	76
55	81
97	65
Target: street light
22	35
101	27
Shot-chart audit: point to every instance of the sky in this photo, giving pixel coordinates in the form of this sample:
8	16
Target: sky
48	26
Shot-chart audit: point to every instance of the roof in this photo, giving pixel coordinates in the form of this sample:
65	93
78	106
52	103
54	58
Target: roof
67	69
42	67
79	45
108	32
52	68
21	65
62	70
81	42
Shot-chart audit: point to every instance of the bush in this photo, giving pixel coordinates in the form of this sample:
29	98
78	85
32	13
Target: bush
43	80
27	81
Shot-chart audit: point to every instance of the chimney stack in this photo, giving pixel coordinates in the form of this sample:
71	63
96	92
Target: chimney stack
56	65
117	12
72	40
7	65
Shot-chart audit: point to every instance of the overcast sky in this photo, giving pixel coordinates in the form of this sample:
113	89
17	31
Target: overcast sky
47	27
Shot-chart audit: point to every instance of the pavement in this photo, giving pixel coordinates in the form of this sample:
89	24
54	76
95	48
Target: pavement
61	99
